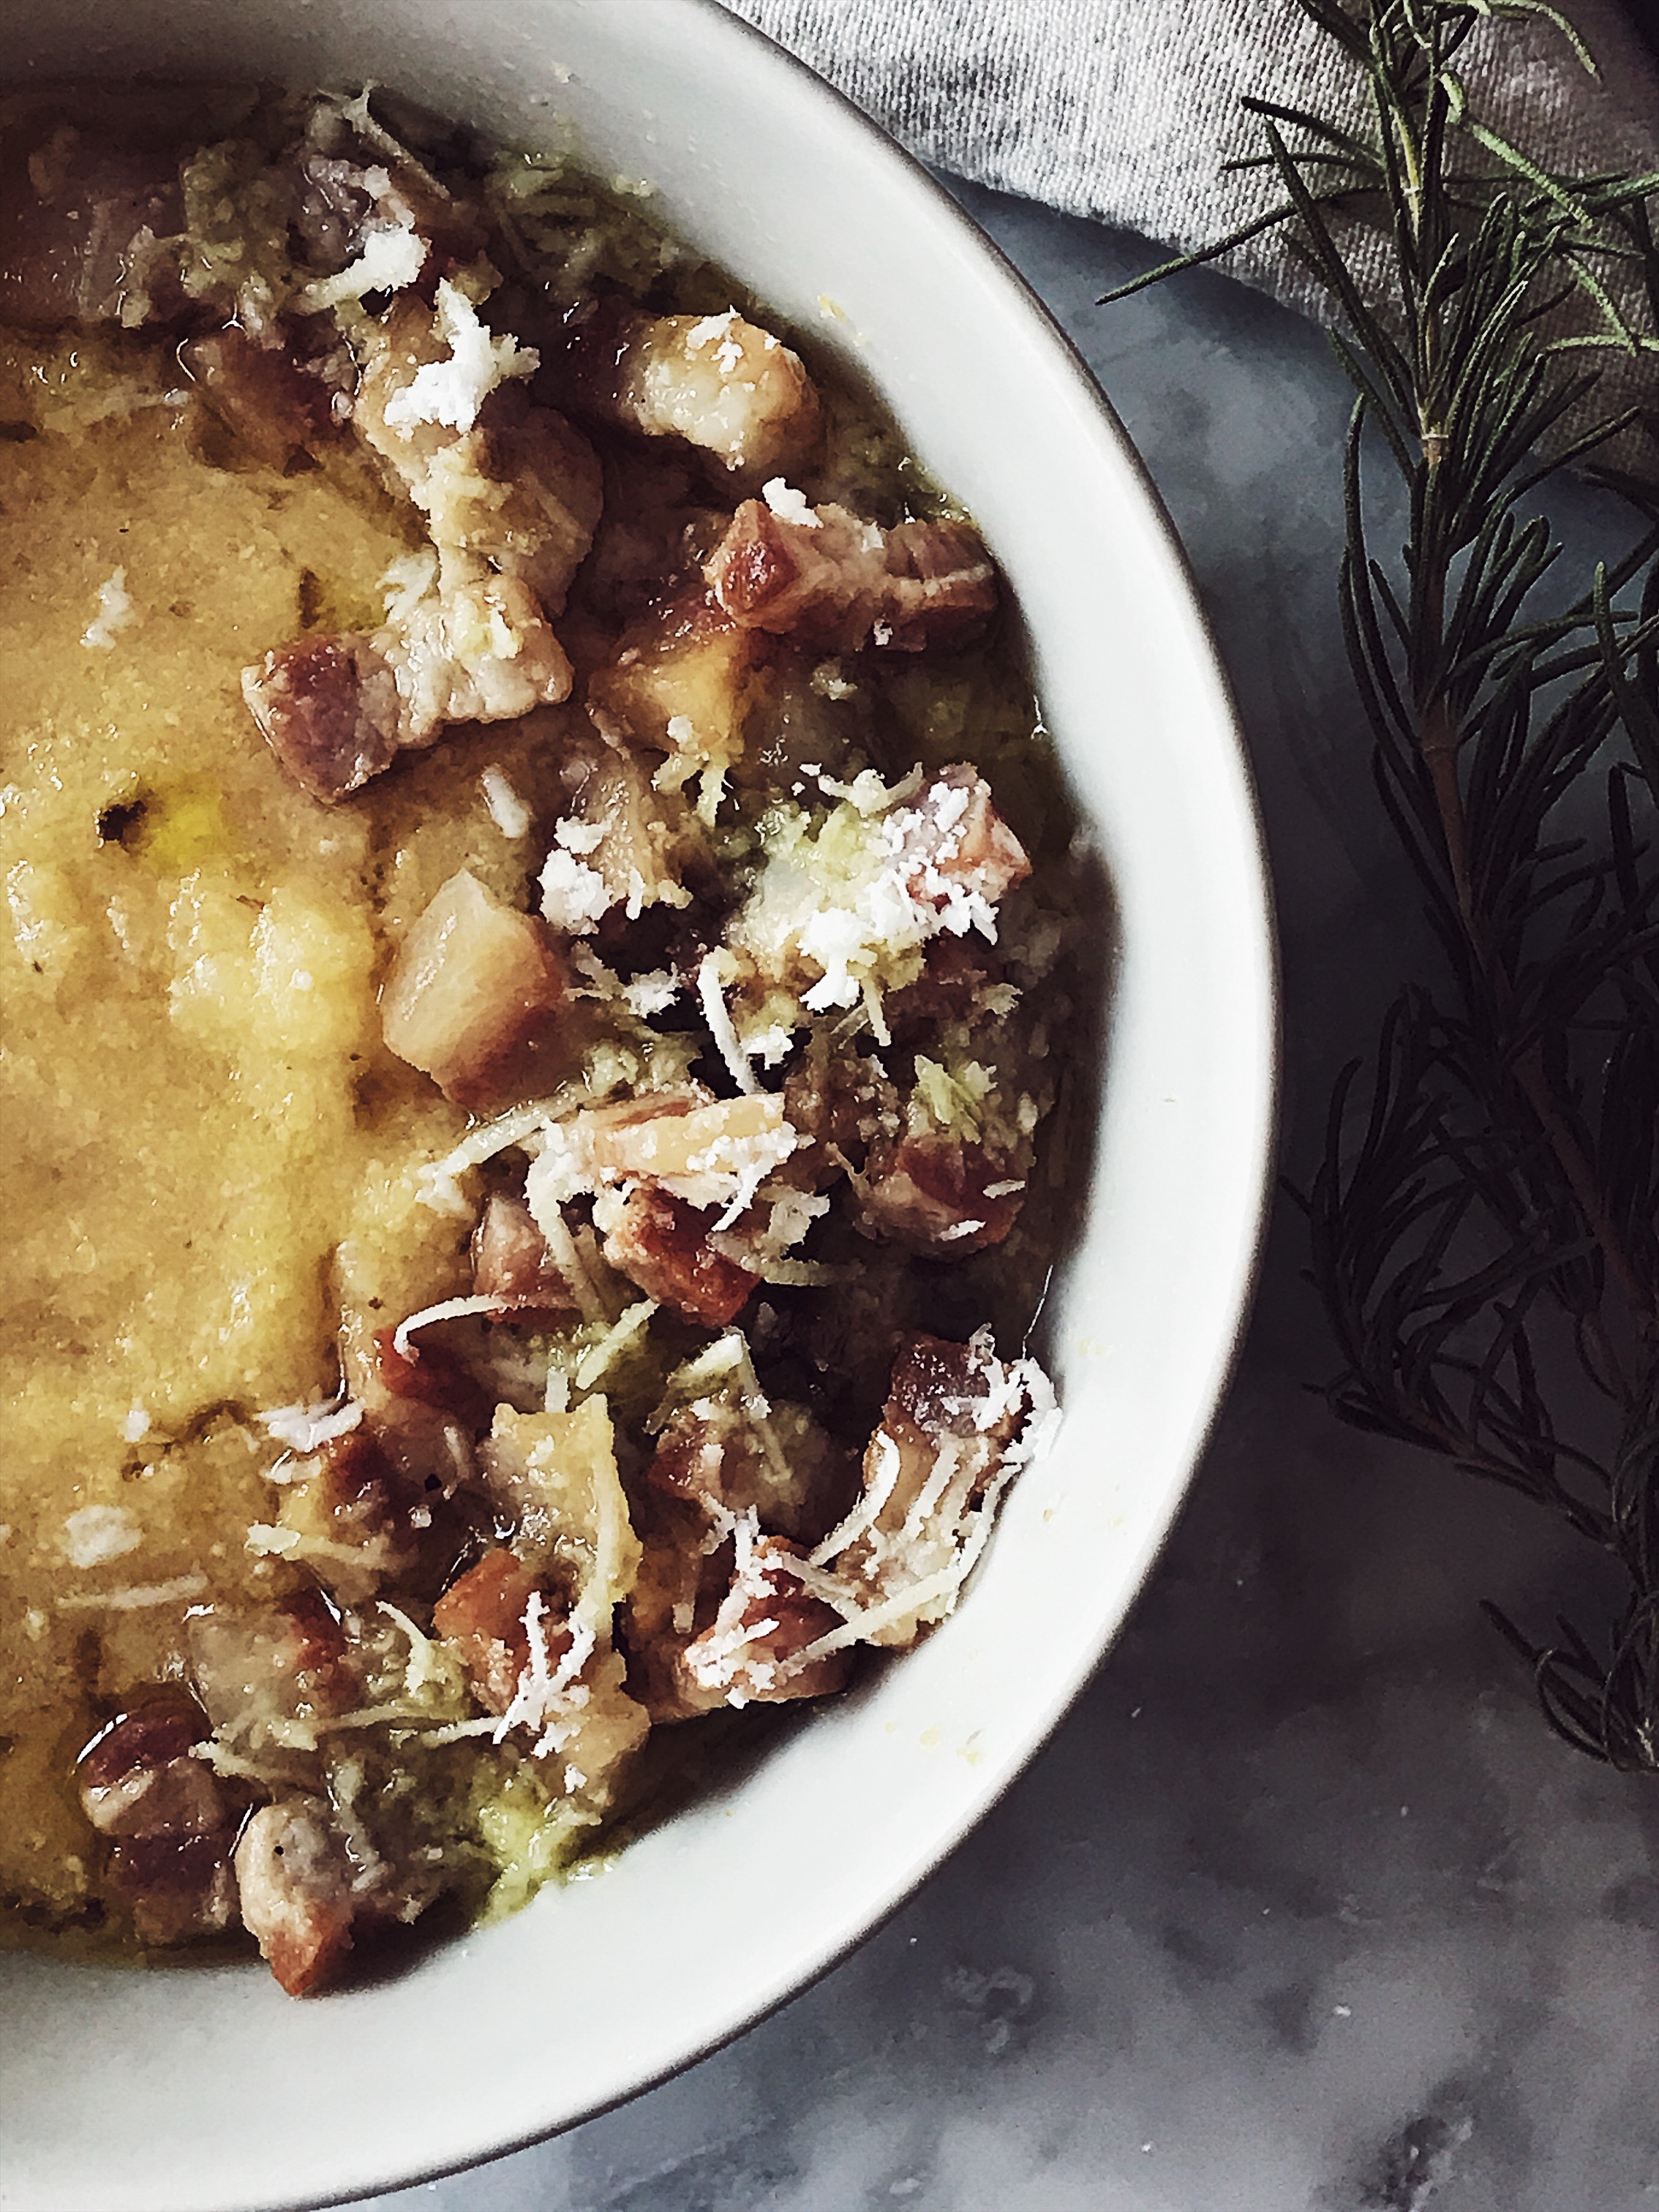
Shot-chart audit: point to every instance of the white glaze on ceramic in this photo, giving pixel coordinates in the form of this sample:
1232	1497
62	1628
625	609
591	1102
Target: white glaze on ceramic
208	2091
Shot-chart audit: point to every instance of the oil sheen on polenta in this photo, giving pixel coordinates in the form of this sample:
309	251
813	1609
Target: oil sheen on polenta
203	1130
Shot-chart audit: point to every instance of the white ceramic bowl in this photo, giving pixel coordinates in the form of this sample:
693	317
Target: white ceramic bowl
206	2090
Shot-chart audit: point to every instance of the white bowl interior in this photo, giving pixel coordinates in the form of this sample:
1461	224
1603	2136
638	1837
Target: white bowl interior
204	2091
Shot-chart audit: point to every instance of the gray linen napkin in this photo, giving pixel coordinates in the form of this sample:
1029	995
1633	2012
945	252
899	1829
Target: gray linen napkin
1125	110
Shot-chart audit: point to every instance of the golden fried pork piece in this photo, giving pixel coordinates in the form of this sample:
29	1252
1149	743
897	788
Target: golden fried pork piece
832	580
725	385
171	1821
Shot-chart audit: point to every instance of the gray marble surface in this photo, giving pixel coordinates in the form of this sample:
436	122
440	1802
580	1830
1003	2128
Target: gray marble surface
1302	1907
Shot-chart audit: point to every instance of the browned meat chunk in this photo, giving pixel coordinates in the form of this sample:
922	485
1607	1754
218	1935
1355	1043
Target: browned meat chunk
841	1106
138	1779
511	1262
470	989
259	1671
82	226
499	479
723	385
271	401
765	1621
328	709
359	1520
294	1877
682	681
936	1194
831	579
341	203
955	832
179	1885
429	1377
662	1244
172	1821
957	974
713	1452
952	1413
943	1389
621	845
483	1616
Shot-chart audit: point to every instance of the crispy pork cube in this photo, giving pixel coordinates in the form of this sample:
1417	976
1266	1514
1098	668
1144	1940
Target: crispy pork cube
259	1670
137	1776
497	477
620	843
470	985
511	1262
832	580
83	226
728	1456
482	1616
952	1412
328	709
722	384
682	681
663	1244
271	401
294	1877
172	1821
358	1518
955	835
936	1194
766	1621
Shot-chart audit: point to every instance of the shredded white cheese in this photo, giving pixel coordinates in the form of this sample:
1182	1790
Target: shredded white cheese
135	1427
392	257
115	612
600	1356
721	1028
265	1540
507	810
790	505
653	992
447	1309
138	1599
573	896
308	1428
97	1534
452	392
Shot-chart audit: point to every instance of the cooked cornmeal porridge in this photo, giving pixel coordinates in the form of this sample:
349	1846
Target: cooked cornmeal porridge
535	912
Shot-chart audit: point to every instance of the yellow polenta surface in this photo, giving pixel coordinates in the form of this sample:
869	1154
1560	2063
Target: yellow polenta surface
206	1151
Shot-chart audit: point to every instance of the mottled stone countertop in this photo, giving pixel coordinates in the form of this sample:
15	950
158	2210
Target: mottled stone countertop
1303	1907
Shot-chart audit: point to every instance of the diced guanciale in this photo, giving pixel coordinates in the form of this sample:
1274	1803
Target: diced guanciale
765	1620
937	1193
469	987
511	1262
952	1412
663	1244
171	1821
274	403
723	385
256	1672
482	1616
294	1877
682	681
955	833
328	709
831	579
83	226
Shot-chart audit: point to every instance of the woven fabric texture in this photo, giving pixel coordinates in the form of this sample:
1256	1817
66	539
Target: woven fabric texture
1128	110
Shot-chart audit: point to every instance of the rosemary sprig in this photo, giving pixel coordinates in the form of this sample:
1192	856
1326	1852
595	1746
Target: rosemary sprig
1484	1224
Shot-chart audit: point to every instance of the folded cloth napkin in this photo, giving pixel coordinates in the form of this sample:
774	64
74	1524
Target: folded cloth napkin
1125	110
